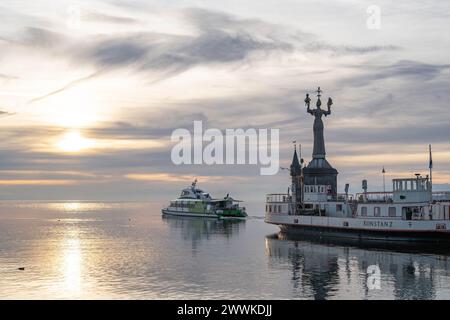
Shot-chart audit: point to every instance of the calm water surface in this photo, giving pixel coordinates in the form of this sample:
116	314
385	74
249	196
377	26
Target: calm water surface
128	251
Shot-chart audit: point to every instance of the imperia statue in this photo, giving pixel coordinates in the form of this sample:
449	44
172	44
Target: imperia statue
319	143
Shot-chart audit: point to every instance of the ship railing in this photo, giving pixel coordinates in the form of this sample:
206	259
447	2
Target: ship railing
343	197
375	196
441	195
278	197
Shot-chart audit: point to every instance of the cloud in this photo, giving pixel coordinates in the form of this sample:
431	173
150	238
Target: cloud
42	38
220	39
7	77
166	177
406	69
71	84
319	46
96	16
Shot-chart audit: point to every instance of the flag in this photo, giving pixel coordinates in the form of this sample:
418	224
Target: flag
431	159
383	171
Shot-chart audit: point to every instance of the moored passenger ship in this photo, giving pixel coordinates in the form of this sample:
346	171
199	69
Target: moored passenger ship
411	212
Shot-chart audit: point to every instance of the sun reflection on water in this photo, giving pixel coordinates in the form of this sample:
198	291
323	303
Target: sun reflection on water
72	206
72	259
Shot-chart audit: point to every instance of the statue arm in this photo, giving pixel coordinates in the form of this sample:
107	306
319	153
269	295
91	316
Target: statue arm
307	102
330	102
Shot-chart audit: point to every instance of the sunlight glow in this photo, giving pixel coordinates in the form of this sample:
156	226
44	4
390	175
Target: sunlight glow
74	108
73	141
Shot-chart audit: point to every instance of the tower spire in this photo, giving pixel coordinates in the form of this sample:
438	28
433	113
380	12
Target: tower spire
295	165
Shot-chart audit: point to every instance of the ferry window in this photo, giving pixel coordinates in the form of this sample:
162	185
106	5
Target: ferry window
376	211
267	208
270	208
364	211
392	211
339	207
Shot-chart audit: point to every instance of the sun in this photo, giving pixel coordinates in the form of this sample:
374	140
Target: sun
73	141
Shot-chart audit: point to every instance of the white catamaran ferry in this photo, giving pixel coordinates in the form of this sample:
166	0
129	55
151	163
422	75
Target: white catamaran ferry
194	202
410	212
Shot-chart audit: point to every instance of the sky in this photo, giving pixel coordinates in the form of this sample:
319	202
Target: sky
91	91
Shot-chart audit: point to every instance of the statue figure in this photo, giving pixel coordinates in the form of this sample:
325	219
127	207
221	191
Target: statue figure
319	143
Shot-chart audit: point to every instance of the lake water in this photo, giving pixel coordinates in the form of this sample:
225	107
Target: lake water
128	251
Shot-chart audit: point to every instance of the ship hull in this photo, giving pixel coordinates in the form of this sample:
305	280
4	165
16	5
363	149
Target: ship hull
189	214
364	229
368	235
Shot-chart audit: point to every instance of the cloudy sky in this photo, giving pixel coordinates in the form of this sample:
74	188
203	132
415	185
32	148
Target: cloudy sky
90	91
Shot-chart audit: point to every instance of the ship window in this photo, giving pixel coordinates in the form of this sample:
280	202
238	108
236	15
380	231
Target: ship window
376	211
339	207
392	211
270	208
364	211
267	208
279	208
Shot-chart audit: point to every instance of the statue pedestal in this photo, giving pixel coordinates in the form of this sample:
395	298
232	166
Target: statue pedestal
320	172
